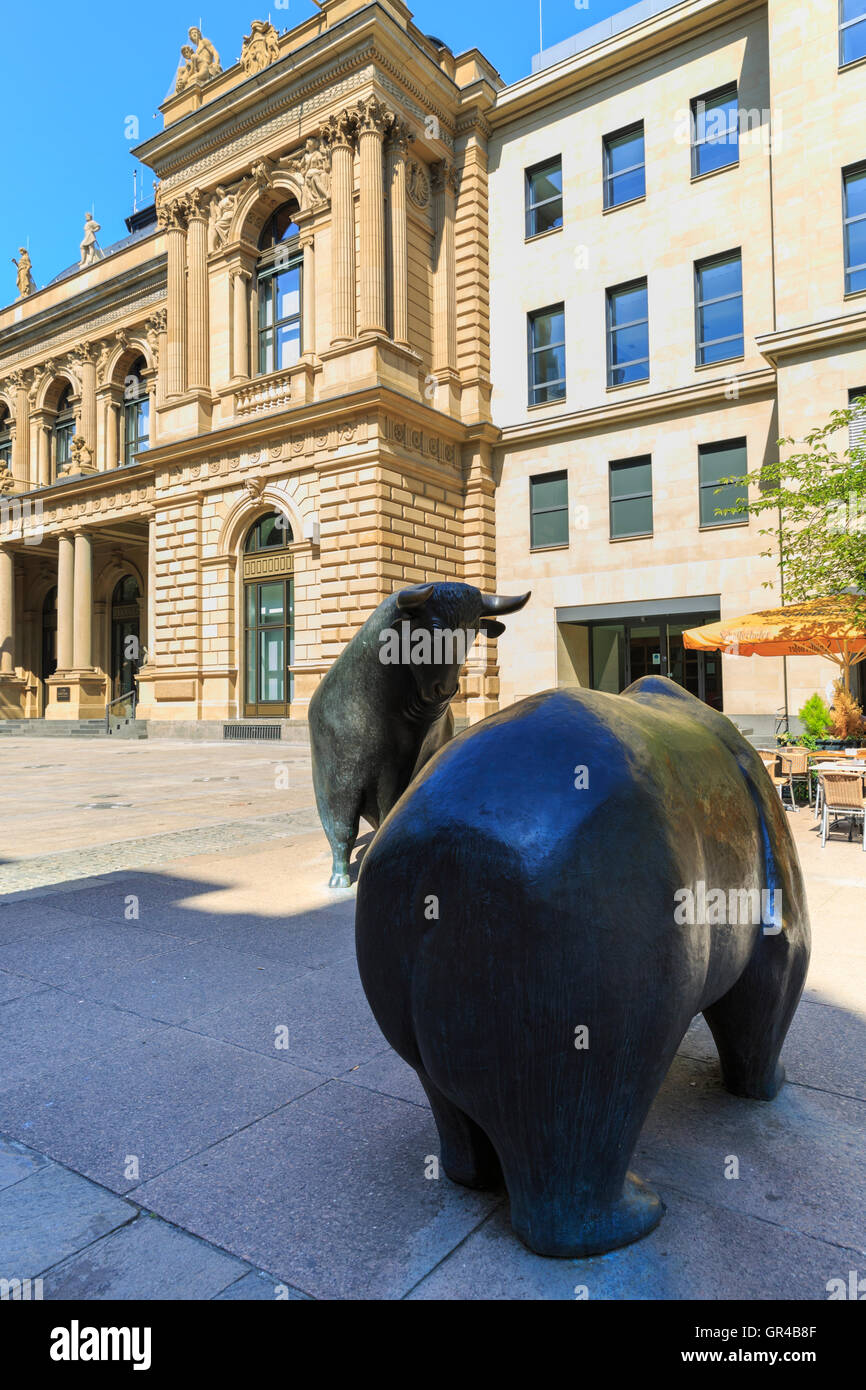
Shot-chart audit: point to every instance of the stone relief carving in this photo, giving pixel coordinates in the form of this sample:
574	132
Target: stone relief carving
222	210
152	329
313	164
200	64
81	456
417	184
261	47
24	273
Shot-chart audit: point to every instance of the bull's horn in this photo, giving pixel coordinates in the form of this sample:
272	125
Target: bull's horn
414	597
500	604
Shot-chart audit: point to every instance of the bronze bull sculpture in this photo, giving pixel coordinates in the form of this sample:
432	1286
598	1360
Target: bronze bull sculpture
384	707
535	934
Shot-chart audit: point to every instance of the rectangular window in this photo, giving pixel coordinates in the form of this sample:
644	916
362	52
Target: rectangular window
279	316
547	355
852	31
715	131
857	427
717	461
548	510
631	498
627	334
719	308
854	185
544	197
136	428
624	166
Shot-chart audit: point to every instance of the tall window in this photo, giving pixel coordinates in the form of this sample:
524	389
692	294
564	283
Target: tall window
717	461
547	355
627	334
719	308
852	31
5	440
715	131
136	412
64	432
544	197
631	498
278	282
624	166
855	228
548	510
857	427
268	617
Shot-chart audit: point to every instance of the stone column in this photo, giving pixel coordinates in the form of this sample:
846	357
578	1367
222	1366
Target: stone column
87	359
172	217
198	341
308	303
44	443
112	431
82	636
240	324
65	602
398	150
7	612
21	441
150	639
342	228
445	184
373	121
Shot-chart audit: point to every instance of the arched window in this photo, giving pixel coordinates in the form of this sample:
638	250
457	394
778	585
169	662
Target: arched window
268	617
136	412
5	439
278	284
64	432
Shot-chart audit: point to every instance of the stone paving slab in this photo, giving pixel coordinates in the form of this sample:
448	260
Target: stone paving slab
43	1032
329	1194
15	986
259	1288
50	1215
146	1259
17	1161
698	1251
159	1098
390	1075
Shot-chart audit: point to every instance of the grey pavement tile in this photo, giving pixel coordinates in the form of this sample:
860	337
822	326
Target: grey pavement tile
16	986
389	1075
35	919
698	1251
70	958
49	1216
17	1161
327	1021
825	1047
159	1099
261	1288
46	1031
146	1259
185	979
328	1194
800	1156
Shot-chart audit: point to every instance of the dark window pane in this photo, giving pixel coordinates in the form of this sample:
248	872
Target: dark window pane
544	198
549	365
622	188
271	610
628	344
632	517
724	319
855	240
546	183
718	278
544	218
856	282
721	352
625	150
853	9
717	461
271	666
628	478
549	492
855	193
608	658
628	304
713	501
550	528
715	132
854	43
547	329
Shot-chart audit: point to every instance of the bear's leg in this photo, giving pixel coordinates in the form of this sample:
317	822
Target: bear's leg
468	1156
750	1022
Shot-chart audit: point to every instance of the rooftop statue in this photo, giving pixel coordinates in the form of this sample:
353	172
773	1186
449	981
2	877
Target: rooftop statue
200	63
24	278
90	252
261	47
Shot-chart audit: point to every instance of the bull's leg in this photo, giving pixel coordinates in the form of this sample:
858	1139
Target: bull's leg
750	1022
468	1156
341	828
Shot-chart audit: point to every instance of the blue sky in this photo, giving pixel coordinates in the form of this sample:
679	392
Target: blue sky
72	76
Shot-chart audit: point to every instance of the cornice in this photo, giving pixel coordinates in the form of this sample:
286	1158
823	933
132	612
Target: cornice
85	325
749	384
790	342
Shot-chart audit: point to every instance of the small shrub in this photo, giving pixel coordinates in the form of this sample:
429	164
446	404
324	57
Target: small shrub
815	718
846	714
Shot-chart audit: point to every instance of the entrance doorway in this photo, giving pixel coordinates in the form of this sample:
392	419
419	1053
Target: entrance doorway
268	618
48	659
620	652
125	636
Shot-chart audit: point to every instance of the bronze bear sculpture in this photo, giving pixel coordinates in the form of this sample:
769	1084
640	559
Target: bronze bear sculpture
525	941
384	707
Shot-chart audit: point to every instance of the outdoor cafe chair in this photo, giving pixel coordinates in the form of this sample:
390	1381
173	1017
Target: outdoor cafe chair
779	776
795	762
844	795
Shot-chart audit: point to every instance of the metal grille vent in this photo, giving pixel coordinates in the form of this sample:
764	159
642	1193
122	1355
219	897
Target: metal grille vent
268	732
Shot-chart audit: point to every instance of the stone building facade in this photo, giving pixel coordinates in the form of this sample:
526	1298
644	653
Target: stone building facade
232	434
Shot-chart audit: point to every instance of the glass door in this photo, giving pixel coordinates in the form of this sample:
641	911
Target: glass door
269	647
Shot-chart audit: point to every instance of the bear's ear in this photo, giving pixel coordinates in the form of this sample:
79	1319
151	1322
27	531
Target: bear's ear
492	628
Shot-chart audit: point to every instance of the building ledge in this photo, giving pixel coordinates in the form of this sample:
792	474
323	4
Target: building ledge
790	342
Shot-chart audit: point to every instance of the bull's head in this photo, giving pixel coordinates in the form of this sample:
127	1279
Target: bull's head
443	622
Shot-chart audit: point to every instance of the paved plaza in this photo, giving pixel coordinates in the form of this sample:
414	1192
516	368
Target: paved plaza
196	1102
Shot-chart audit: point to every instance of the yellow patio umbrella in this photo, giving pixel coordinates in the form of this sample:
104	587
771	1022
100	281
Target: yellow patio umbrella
833	627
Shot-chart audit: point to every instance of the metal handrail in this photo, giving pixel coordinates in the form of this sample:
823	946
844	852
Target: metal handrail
130	697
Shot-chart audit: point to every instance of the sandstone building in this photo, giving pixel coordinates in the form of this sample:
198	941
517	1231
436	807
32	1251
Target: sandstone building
391	319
